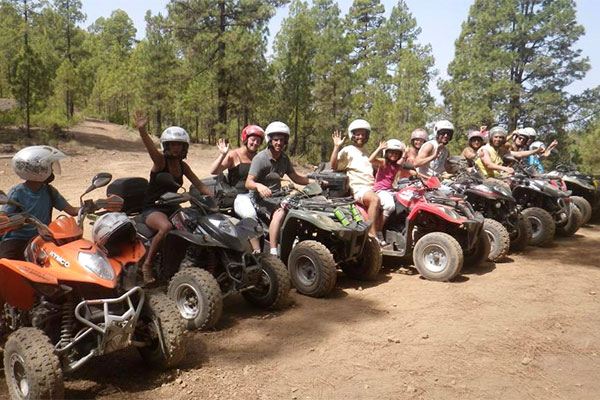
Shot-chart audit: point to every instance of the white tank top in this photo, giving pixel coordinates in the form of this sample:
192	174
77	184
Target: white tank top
437	166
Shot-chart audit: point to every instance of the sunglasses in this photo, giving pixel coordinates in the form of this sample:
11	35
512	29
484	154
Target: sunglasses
476	139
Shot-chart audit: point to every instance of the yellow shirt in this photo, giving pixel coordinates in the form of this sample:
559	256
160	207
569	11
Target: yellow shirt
356	163
494	156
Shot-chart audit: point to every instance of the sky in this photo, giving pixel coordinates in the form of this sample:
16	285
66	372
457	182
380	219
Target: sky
440	21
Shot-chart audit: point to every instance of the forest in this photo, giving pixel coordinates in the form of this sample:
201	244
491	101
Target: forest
206	66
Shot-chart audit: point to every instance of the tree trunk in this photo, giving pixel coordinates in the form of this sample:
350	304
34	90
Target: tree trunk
158	121
221	73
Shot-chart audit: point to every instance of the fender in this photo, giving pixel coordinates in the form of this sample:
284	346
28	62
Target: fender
15	277
435	210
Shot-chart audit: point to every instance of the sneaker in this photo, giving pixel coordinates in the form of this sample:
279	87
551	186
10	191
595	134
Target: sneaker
381	240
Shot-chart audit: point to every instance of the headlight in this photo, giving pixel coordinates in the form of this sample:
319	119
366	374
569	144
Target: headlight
450	212
224	226
96	263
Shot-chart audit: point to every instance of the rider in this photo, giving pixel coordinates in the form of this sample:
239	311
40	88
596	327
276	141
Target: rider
417	138
174	143
237	163
354	160
475	142
387	169
544	152
432	158
273	159
36	165
489	160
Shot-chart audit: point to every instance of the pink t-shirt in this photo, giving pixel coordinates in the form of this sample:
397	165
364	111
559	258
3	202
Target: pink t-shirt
385	177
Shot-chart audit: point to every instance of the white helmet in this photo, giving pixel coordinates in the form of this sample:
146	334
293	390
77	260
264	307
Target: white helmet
111	230
536	145
359	124
529	131
277	127
498	131
37	163
418	134
175	134
394	144
443	125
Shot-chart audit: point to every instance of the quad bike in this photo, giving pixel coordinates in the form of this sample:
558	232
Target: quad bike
547	206
504	223
585	189
441	232
71	301
207	258
318	235
427	226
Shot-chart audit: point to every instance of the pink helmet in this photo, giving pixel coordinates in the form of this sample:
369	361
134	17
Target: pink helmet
418	134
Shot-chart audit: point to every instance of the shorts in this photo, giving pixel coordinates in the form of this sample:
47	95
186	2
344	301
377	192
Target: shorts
13	249
387	201
244	206
360	192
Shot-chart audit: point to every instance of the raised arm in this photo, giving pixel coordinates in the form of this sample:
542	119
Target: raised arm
374	159
157	158
338	142
224	161
525	153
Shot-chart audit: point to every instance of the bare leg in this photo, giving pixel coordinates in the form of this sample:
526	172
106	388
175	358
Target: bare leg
373	204
275	227
159	222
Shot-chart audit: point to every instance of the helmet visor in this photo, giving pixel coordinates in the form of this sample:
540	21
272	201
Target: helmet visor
56	170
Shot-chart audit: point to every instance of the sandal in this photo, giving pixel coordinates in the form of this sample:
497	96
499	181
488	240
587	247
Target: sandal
148	275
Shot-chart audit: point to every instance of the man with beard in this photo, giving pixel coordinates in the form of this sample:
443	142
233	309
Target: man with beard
354	160
432	159
273	159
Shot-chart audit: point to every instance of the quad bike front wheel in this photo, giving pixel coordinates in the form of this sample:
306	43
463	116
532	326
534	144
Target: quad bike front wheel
584	206
273	287
160	325
572	225
312	268
369	263
542	226
521	237
31	368
498	237
438	256
198	297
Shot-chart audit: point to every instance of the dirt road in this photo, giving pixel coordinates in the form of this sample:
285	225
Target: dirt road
526	328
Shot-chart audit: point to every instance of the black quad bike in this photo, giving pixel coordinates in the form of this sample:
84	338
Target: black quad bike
546	205
207	257
505	225
585	189
319	235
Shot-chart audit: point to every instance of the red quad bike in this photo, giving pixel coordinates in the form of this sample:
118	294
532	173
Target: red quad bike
440	232
73	300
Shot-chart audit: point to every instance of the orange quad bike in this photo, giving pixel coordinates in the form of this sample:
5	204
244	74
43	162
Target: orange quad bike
74	299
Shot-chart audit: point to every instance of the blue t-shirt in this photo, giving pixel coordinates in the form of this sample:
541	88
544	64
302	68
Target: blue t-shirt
37	203
536	161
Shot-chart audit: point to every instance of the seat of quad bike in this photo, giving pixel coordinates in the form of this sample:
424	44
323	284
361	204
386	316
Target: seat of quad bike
142	228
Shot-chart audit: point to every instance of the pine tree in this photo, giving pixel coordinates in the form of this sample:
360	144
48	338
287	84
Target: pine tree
513	60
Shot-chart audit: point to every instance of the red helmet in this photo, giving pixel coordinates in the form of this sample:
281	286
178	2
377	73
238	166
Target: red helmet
252	130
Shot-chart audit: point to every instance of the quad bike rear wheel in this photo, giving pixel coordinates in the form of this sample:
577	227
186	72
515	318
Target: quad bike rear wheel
31	368
521	237
273	288
498	237
161	325
584	206
480	253
312	268
438	256
573	223
369	263
542	226
197	296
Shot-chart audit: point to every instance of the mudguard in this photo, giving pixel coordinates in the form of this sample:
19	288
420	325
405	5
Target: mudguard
15	277
435	209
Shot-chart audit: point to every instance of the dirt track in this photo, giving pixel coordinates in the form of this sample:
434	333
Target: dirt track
526	328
